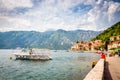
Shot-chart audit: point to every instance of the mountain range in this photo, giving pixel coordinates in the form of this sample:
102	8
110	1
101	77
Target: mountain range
56	40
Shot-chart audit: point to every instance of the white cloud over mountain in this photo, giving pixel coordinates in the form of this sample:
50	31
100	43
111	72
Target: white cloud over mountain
40	15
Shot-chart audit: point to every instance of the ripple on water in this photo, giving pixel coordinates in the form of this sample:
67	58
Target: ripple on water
63	66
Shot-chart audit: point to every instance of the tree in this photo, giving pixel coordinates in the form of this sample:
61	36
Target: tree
106	44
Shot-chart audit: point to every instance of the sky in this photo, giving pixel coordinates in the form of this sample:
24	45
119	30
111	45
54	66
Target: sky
43	15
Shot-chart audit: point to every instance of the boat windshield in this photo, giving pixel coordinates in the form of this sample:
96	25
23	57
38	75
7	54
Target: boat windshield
36	51
40	51
25	50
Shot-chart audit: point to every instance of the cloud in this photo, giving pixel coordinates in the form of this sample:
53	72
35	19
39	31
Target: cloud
41	15
12	4
7	23
104	14
113	8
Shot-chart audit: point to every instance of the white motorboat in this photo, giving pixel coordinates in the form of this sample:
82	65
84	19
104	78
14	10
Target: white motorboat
33	54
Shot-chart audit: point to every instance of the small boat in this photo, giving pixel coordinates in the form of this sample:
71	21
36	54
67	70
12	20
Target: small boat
33	54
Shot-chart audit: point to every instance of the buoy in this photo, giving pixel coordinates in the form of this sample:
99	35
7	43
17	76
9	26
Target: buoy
94	63
10	57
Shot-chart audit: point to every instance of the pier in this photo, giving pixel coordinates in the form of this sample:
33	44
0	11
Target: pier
97	72
105	70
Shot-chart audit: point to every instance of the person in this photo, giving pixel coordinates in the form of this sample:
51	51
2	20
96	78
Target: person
30	51
94	63
103	56
119	53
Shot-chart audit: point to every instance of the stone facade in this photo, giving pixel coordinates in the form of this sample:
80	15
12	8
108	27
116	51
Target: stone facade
114	42
114	38
87	46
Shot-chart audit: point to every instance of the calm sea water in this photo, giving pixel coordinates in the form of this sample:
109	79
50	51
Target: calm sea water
63	66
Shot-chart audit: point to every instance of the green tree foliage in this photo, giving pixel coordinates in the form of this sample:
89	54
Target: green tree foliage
111	31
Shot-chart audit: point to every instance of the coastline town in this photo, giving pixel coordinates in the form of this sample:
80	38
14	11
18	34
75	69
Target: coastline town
93	46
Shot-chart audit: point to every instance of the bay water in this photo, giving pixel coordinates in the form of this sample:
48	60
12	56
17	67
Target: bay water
63	66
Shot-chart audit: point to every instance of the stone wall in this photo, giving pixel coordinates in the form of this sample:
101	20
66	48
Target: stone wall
97	72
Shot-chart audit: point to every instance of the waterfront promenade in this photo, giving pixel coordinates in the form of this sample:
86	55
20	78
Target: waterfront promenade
112	68
105	70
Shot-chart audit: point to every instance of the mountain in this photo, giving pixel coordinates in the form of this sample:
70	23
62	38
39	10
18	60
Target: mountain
111	31
59	39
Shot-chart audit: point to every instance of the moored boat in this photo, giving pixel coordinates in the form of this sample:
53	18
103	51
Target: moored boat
33	54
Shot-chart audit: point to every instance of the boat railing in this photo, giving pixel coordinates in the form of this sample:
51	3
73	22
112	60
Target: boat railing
36	51
41	51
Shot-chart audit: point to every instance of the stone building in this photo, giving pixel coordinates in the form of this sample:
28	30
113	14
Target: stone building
114	42
114	38
87	46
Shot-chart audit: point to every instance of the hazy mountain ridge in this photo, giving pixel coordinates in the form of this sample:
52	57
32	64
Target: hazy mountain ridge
59	39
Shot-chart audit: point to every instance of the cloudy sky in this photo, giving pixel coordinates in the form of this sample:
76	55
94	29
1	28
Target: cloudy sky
42	15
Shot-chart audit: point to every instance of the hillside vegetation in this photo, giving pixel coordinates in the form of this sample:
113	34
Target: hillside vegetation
111	31
59	39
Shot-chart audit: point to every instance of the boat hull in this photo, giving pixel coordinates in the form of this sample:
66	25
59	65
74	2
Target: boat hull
33	57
